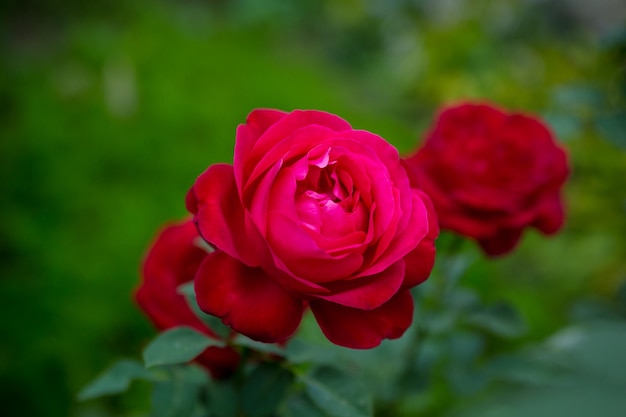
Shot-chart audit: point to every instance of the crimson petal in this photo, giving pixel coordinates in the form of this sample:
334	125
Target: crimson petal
246	299
367	293
359	329
220	217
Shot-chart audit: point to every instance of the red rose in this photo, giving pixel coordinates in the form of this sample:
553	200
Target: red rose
491	174
173	260
312	212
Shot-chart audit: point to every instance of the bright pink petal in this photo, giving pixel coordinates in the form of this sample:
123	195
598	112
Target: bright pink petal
262	119
246	299
359	329
294	249
407	239
257	123
420	261
419	264
288	125
220	217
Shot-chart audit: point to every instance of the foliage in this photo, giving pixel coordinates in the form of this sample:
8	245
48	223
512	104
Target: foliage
108	112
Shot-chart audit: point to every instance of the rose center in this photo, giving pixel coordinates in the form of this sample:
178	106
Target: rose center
327	206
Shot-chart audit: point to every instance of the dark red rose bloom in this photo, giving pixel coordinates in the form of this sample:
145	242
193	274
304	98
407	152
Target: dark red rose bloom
491	174
312	213
172	260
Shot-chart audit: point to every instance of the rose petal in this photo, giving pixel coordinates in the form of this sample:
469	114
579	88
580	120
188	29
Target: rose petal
262	119
407	239
257	123
246	299
551	215
368	292
501	243
222	362
294	249
220	217
292	246
294	121
295	145
420	261
172	260
359	329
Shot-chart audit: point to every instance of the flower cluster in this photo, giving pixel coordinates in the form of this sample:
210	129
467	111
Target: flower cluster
313	214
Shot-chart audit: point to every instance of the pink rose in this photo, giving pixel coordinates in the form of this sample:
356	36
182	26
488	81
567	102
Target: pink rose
312	212
491	174
172	260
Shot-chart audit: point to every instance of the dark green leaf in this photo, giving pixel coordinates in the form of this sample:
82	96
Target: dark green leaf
500	319
177	345
595	350
115	380
539	402
612	126
223	399
244	341
264	389
621	298
212	322
337	394
179	396
301	406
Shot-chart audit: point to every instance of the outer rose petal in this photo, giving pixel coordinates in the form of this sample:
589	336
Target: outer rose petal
359	329
420	261
257	123
222	362
220	217
246	299
172	260
501	243
370	292
262	119
551	216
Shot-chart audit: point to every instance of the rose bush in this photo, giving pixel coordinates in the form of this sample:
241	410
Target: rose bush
491	174
172	260
311	213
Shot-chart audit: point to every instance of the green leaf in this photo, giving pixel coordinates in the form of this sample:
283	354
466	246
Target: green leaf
621	298
595	350
271	348
612	126
223	399
115	380
500	319
177	345
264	389
212	322
301	406
336	393
179	396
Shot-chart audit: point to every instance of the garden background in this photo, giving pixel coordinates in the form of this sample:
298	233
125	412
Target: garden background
110	109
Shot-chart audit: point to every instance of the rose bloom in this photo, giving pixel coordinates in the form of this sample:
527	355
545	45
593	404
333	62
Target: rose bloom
312	213
172	260
491	174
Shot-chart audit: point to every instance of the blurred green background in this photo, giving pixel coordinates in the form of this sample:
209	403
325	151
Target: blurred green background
110	109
